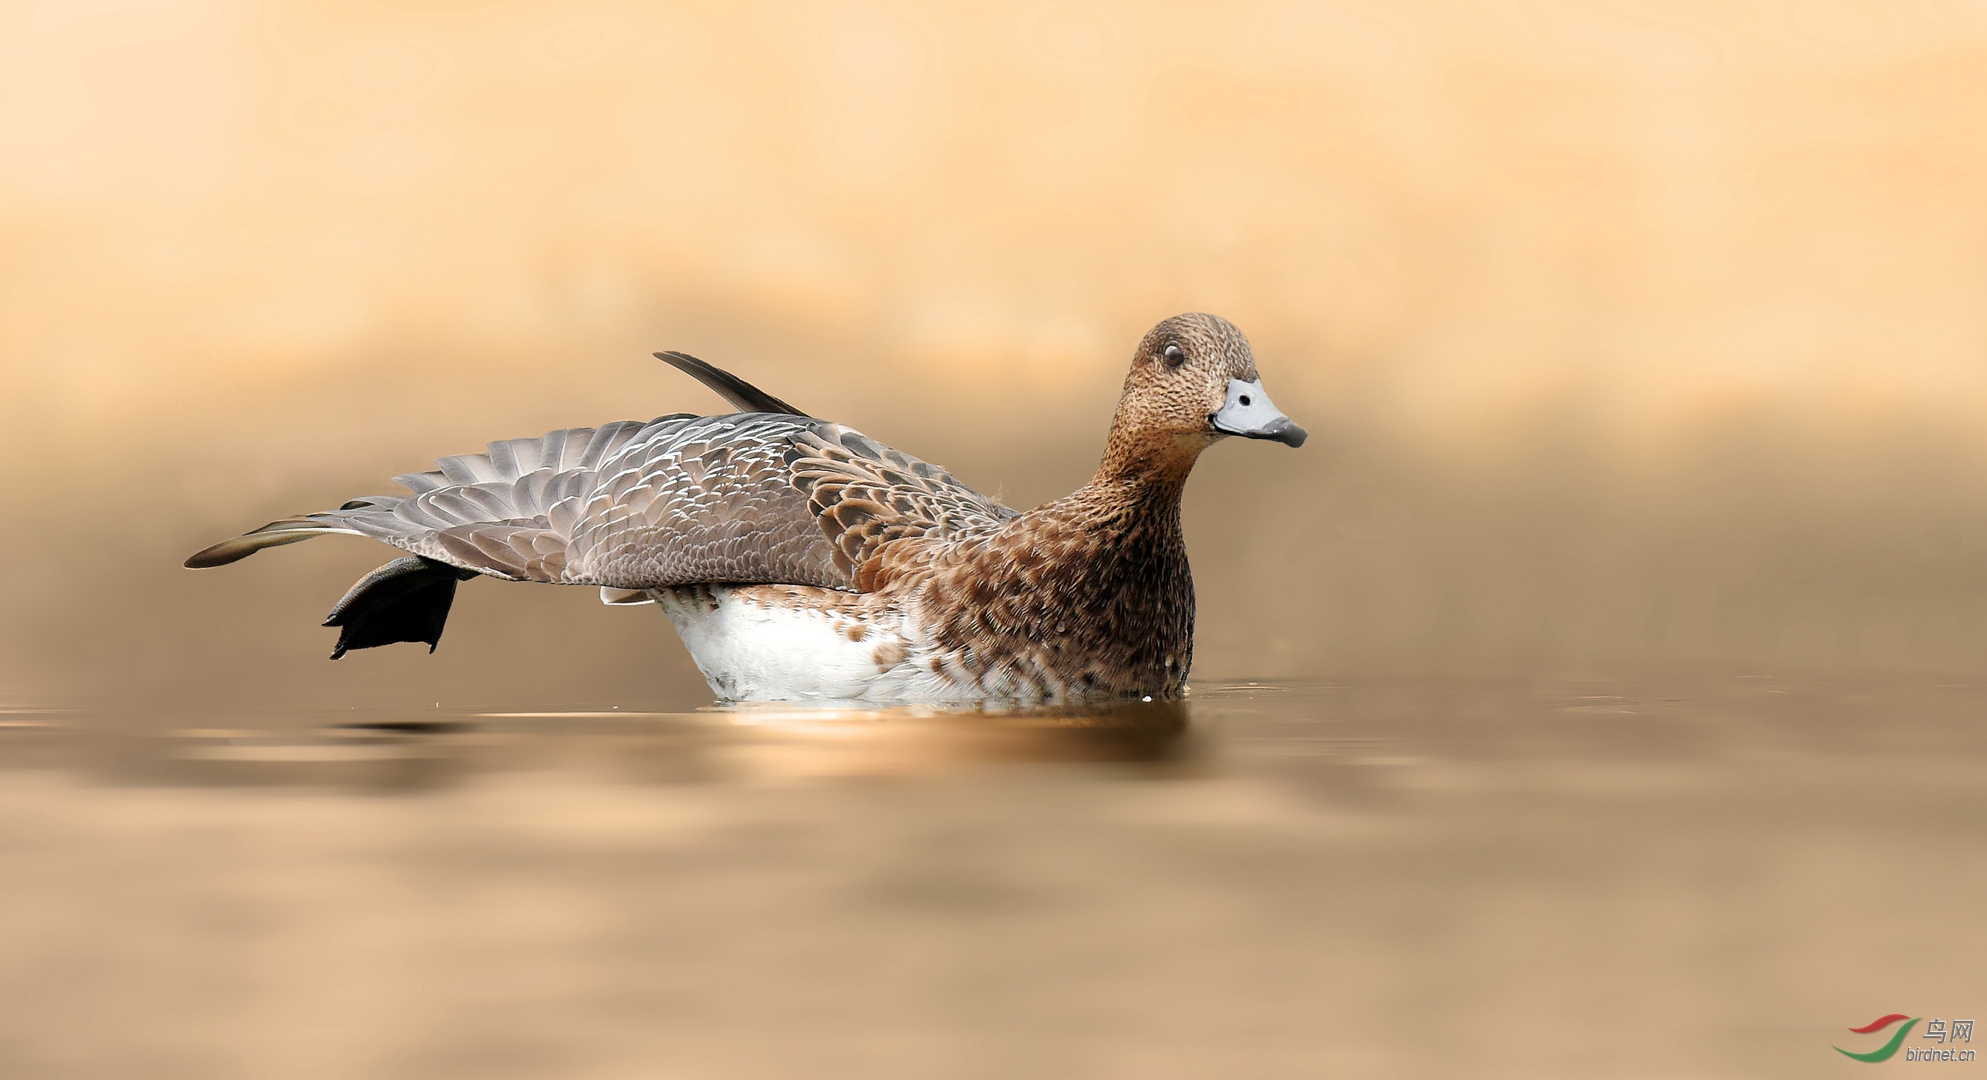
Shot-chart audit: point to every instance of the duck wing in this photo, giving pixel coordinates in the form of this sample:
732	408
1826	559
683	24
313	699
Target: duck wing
675	500
681	499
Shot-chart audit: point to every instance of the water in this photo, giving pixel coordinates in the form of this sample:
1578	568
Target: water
1705	876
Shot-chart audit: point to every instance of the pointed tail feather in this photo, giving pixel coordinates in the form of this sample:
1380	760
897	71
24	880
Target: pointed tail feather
746	396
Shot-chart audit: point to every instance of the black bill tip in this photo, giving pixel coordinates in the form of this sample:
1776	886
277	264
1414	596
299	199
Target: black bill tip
1277	430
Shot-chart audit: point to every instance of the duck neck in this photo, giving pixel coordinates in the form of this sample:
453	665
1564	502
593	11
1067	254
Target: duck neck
1133	591
1131	506
1145	467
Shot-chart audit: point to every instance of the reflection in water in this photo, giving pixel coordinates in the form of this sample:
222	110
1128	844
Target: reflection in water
737	743
1412	878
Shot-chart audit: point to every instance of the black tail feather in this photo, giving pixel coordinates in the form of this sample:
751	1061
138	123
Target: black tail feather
744	395
405	600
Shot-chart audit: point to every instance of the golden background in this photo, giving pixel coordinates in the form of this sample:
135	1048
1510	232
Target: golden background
1631	335
1621	624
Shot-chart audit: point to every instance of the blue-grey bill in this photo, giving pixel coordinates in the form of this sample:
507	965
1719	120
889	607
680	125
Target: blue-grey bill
1250	413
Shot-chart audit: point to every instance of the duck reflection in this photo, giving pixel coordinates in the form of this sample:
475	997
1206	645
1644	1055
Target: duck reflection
788	743
720	744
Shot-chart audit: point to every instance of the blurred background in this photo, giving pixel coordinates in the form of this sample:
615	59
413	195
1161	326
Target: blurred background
1632	334
1596	694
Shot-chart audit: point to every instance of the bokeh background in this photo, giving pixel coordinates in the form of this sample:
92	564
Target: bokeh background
1596	694
1632	334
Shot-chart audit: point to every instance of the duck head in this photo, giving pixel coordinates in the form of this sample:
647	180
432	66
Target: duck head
1192	383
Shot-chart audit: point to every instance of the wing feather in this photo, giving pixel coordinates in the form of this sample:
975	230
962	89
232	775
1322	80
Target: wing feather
882	508
682	499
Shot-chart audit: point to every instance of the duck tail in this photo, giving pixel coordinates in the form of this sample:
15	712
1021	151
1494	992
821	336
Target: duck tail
745	396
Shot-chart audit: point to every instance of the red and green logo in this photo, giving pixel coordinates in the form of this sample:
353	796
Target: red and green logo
1884	1052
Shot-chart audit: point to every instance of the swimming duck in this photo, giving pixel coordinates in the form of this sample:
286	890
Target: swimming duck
801	560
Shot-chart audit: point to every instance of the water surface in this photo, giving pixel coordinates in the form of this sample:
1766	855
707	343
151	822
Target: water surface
1685	876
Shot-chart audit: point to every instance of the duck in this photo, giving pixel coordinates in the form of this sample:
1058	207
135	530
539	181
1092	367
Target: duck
800	560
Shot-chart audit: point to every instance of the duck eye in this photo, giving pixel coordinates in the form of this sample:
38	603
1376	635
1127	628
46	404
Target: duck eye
1175	356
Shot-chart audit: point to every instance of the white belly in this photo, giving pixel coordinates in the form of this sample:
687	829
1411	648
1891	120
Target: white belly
753	651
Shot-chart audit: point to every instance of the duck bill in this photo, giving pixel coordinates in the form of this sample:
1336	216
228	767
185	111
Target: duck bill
1250	413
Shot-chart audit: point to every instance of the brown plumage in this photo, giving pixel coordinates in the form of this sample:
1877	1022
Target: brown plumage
751	526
